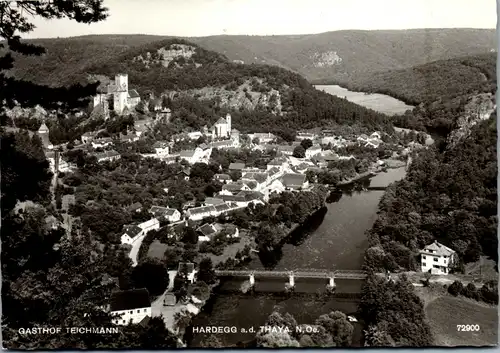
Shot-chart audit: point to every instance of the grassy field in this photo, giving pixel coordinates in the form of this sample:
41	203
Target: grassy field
444	312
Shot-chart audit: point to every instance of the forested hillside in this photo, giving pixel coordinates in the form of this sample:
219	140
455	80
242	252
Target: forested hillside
338	56
449	197
342	55
443	91
300	105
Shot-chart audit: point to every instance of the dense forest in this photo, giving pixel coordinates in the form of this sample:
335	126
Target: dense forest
449	197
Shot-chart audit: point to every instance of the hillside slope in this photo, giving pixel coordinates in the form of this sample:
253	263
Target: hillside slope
259	97
342	55
338	56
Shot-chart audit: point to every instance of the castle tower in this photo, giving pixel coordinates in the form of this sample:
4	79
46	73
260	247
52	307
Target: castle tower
43	133
228	119
121	94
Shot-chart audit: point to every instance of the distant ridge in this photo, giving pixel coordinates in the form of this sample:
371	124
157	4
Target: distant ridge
338	56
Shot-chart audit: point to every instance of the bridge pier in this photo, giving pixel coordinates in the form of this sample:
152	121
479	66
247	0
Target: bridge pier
331	282
251	279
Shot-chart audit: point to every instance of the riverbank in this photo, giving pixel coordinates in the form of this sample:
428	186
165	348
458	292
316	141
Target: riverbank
333	238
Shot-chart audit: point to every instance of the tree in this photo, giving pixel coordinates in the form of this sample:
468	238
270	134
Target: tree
14	20
206	271
338	326
306	143
152	275
299	152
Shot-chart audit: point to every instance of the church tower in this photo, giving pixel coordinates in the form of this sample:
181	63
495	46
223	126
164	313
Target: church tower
43	133
228	120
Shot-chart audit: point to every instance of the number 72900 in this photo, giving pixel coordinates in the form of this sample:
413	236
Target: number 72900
468	328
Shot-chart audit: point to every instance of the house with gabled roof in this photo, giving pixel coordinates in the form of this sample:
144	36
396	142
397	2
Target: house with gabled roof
293	181
198	213
106	156
285	150
101	142
437	258
213	201
169	214
130	306
161	148
223	178
135	207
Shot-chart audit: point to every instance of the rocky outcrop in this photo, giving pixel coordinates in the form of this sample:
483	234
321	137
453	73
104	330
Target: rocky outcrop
166	55
479	107
239	96
326	59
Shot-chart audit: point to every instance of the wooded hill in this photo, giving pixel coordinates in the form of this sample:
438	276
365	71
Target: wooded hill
301	105
361	52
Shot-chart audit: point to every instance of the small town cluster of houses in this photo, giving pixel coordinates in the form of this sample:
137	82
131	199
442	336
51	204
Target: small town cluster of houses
284	173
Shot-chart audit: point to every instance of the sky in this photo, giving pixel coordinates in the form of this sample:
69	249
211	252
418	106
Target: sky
194	18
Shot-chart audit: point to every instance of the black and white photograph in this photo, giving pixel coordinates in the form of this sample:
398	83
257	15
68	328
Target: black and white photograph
248	174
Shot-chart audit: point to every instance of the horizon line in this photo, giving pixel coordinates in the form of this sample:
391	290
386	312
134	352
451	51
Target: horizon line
264	35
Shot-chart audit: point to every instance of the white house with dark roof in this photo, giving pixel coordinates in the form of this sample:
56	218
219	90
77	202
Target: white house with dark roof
198	213
285	150
107	156
437	258
161	148
101	142
208	231
134	232
170	214
130	306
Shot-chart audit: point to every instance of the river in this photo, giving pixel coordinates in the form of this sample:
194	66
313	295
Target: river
379	102
333	239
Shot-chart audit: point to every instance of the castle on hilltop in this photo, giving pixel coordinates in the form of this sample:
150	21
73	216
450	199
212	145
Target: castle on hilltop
116	96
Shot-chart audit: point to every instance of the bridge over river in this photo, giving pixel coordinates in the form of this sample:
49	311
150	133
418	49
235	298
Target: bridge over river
330	275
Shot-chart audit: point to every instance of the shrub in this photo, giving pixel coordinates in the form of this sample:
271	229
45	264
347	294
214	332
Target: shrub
455	288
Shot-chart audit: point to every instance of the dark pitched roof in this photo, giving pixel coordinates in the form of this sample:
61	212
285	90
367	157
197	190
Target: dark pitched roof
134	206
132	230
198	210
259	177
130	299
236	166
207	230
293	179
221	207
132	93
213	201
159	211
